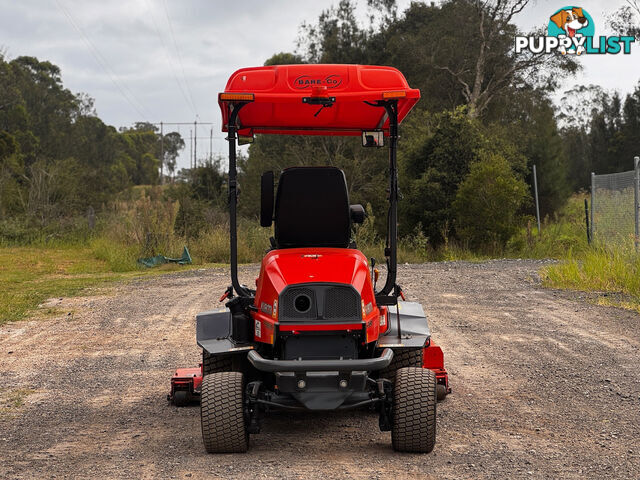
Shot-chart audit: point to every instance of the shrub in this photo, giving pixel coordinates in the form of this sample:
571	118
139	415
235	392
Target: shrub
488	202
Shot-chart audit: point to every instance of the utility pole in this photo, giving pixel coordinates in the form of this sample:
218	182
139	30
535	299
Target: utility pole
195	143
211	146
161	154
193	148
190	148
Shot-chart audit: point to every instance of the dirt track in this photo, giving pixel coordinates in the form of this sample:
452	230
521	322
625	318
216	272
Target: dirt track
545	385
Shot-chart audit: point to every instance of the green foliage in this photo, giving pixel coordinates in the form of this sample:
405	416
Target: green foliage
56	157
607	138
283	58
562	235
436	162
145	220
336	38
201	194
487	204
532	127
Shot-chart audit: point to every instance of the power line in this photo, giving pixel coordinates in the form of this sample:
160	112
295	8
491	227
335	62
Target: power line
193	158
166	11
102	61
166	51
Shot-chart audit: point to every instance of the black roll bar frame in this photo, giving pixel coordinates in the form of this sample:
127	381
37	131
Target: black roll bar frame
389	293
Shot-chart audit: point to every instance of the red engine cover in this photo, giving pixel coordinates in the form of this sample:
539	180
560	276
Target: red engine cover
311	265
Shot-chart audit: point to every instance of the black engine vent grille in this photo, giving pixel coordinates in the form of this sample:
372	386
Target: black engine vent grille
342	302
320	301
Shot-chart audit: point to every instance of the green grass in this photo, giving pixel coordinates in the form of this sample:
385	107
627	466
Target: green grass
614	271
30	275
12	399
563	236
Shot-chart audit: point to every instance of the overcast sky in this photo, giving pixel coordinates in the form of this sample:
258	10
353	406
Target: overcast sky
166	60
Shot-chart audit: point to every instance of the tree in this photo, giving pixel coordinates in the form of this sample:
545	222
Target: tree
626	20
336	38
488	203
173	145
11	173
437	164
284	58
56	156
461	52
202	197
578	105
531	124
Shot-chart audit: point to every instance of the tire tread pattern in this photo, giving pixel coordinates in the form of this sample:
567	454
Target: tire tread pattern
222	413
414	410
215	363
405	357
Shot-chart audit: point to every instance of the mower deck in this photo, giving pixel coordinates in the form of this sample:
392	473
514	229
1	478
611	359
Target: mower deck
185	386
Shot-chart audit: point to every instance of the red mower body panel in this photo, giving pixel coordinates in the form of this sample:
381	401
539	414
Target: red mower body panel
433	359
297	266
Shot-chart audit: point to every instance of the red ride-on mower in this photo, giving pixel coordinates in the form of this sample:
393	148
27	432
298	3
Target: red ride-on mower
316	334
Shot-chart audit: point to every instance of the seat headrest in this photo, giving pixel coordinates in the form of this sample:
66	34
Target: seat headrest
312	208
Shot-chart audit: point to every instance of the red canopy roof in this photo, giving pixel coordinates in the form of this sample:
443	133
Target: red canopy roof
278	92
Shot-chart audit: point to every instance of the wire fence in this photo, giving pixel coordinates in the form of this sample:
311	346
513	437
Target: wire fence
614	208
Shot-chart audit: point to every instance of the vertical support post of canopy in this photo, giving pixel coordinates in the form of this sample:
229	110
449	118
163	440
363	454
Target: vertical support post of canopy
392	233
233	199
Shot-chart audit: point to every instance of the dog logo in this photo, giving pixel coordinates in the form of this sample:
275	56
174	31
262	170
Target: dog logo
572	31
571	22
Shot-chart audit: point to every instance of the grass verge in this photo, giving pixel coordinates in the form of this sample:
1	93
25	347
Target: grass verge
614	271
30	275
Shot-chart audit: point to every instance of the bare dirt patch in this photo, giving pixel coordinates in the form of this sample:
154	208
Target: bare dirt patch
545	385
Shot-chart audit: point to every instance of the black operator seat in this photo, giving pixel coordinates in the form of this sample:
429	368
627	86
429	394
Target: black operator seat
312	208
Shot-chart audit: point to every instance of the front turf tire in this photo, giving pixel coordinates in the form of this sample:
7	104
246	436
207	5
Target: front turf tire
402	357
414	410
224	428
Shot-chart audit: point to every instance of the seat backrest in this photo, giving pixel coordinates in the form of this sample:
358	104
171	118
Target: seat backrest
312	208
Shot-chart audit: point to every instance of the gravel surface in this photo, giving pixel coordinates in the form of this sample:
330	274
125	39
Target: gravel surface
545	385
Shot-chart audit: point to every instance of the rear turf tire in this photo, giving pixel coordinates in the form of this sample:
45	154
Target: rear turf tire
414	410
442	392
181	398
402	358
224	429
215	363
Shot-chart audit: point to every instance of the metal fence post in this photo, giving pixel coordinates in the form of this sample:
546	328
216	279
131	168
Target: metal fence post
535	187
636	197
586	218
593	197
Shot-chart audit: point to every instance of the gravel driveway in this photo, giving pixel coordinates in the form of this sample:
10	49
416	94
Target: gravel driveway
545	385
